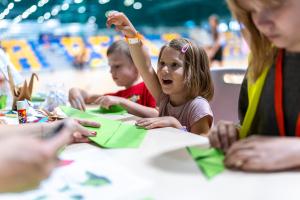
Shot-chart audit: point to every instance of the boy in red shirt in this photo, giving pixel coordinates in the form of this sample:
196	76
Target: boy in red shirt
135	98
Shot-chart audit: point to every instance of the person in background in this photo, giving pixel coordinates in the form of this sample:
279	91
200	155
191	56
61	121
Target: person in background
215	51
80	59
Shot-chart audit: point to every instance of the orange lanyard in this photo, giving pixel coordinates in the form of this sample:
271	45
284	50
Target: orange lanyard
278	96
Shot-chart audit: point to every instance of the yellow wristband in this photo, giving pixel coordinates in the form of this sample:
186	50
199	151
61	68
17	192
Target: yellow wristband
134	40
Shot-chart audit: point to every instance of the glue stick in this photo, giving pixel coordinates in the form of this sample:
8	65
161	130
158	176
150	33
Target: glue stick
21	108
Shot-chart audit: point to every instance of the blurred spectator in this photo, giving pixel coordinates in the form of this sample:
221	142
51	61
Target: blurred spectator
215	51
81	58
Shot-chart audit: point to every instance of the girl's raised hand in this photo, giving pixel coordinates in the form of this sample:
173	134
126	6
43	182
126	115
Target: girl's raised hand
122	23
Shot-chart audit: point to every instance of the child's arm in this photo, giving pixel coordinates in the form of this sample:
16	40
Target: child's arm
131	107
138	109
78	98
159	122
142	60
139	55
201	127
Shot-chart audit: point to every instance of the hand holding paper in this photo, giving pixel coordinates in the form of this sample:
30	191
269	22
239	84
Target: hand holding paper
111	134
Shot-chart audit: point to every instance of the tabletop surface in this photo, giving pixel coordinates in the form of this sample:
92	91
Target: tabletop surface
163	161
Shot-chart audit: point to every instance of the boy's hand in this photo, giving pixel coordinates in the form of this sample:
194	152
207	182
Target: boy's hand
223	135
159	122
76	99
107	101
122	24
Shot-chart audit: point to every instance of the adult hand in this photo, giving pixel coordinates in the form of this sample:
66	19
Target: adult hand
75	130
223	135
264	154
26	161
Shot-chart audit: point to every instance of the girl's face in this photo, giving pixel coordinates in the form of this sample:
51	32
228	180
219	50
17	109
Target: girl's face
122	70
279	21
170	72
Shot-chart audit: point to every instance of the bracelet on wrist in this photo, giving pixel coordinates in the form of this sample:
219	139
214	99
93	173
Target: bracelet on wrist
134	40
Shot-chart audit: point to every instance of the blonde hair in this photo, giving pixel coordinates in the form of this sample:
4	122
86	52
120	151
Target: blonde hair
119	46
262	51
196	68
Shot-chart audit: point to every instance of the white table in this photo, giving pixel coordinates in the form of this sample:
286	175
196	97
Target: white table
162	159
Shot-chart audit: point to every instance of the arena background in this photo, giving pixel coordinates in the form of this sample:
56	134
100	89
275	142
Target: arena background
44	36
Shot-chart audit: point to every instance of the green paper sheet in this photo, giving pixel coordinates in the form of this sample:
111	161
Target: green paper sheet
111	134
3	99
210	161
37	99
115	109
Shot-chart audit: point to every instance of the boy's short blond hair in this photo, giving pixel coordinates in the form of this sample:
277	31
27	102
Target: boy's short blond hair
119	46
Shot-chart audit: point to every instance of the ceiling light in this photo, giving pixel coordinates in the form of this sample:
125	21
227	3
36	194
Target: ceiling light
78	1
65	6
33	8
40	19
81	9
103	1
137	5
55	11
10	6
92	19
128	2
47	15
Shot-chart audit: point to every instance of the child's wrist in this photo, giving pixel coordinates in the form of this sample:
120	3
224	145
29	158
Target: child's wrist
134	39
132	35
177	124
123	102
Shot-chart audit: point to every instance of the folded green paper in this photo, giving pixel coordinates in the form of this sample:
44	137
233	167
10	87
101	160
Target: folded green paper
115	109
3	99
111	134
210	161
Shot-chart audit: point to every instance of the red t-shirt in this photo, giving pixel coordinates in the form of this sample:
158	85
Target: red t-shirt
138	94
